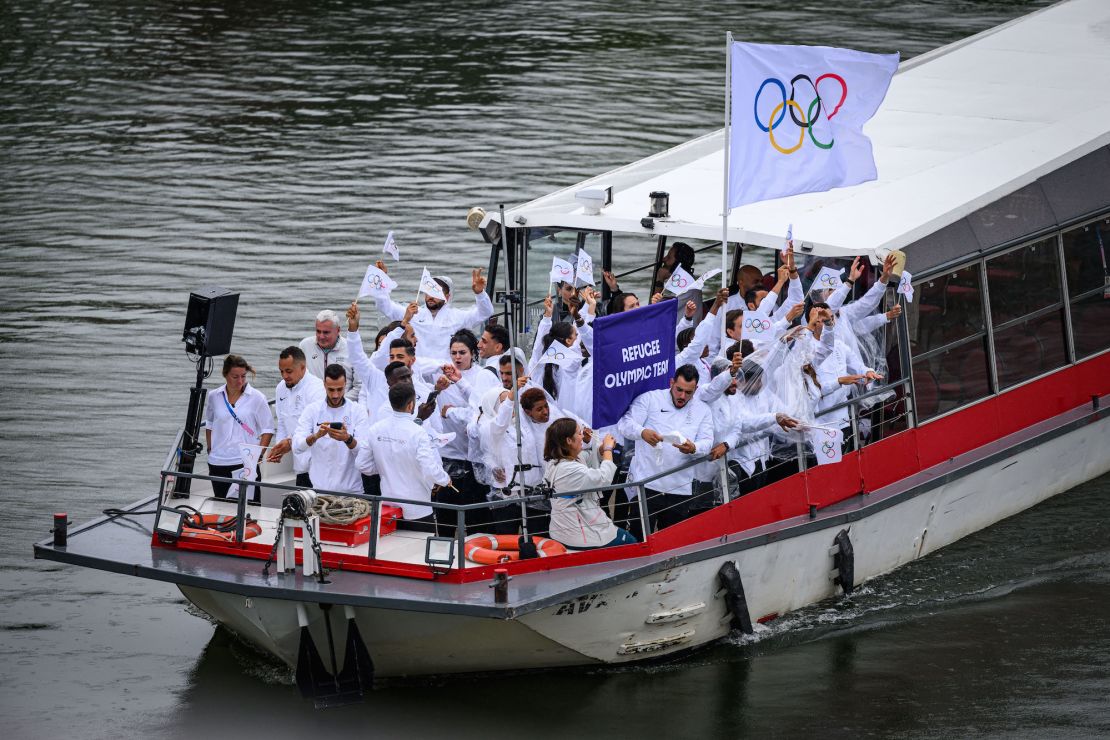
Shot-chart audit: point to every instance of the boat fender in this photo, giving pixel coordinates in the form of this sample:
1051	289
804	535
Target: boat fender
735	599
844	562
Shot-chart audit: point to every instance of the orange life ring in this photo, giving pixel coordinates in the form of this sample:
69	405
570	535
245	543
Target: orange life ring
491	549
217	528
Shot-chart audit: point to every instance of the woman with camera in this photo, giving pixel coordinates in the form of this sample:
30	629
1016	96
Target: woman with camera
577	519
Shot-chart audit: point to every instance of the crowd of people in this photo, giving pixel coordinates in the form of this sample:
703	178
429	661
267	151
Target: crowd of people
440	408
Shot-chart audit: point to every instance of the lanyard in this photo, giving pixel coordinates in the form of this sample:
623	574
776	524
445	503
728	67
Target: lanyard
239	421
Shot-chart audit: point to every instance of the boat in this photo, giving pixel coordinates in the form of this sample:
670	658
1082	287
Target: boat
993	184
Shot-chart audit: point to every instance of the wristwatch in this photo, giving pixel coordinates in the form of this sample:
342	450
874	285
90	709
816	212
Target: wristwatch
348	442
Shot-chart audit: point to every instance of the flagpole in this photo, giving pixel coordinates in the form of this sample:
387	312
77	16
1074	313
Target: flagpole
724	194
721	312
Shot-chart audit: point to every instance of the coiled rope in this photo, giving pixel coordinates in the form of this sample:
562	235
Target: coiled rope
340	509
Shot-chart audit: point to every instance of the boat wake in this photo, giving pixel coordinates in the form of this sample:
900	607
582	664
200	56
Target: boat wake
920	591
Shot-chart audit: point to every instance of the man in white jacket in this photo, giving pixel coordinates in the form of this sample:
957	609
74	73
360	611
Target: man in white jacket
400	451
327	347
296	391
329	432
668	425
436	321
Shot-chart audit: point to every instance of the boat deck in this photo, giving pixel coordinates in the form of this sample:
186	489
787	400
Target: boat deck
400	546
123	545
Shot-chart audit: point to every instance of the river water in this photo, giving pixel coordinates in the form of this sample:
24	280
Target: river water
147	149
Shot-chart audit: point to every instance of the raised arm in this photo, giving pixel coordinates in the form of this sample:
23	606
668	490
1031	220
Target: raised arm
483	306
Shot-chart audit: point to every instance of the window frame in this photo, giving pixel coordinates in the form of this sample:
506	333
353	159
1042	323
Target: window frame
1065	302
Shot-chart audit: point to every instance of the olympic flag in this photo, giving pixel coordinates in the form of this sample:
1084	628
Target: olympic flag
390	247
560	354
827	279
828	444
797	118
429	286
376	283
679	282
561	270
584	269
905	286
756	328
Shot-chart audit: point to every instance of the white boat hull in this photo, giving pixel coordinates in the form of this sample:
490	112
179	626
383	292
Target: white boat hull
681	607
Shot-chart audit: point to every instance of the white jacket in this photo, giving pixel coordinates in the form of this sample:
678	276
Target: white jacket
656	410
316	359
331	463
289	403
401	452
433	332
579	521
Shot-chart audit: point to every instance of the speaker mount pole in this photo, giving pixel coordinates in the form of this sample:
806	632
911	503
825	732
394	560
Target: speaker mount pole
190	442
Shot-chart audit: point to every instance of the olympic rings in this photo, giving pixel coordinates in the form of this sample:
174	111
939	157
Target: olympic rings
831	281
805	120
677	281
757	326
755	104
801	131
827	450
556	355
377	283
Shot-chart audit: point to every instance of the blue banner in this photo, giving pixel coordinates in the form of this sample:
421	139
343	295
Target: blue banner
633	353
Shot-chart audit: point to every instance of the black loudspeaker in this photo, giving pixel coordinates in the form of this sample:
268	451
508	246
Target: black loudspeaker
210	321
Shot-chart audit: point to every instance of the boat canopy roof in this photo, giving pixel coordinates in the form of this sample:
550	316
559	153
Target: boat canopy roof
962	127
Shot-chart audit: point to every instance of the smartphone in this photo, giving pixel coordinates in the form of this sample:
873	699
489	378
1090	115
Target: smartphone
336	425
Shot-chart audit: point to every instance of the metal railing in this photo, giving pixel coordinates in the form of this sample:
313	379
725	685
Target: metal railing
771	469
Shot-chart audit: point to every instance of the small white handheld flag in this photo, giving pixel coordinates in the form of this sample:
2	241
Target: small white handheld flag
827	279
905	286
441	440
249	456
700	282
390	247
560	354
828	444
584	270
561	270
376	283
429	286
756	327
679	282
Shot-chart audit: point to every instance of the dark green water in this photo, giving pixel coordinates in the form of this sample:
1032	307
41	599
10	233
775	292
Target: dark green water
147	149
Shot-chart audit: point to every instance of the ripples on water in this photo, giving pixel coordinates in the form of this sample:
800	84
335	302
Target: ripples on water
147	149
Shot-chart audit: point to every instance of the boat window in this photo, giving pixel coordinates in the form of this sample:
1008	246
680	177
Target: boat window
948	341
952	378
947	309
1030	347
1088	279
1023	281
1027	312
